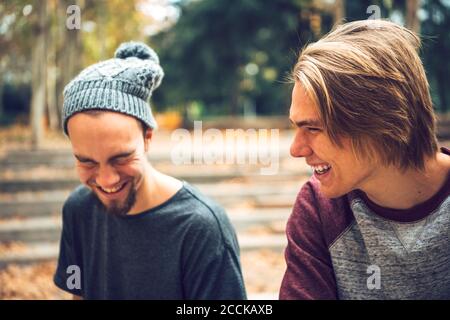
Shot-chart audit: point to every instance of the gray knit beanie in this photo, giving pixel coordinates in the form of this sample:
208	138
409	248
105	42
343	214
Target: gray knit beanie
122	84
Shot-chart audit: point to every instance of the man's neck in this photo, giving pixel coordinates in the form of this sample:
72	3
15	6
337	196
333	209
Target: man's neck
391	188
156	189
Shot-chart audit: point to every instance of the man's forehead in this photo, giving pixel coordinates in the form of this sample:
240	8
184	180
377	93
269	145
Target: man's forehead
102	115
99	150
110	123
92	136
302	107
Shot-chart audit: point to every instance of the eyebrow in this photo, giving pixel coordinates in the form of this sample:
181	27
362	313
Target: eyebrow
111	159
307	123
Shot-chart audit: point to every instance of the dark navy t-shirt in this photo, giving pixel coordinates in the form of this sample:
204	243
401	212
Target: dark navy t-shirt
185	248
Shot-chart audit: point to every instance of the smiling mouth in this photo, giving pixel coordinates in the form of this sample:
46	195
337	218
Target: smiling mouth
321	169
114	190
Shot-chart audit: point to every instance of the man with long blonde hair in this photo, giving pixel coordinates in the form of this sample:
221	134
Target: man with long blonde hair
373	222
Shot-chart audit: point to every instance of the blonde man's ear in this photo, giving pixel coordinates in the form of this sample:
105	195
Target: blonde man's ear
147	138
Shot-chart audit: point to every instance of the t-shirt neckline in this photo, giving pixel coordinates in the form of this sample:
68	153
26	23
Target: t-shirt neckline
158	207
416	213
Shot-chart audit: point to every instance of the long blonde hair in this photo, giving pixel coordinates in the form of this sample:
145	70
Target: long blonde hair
369	84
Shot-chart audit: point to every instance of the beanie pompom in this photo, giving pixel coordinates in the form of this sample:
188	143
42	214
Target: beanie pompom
136	49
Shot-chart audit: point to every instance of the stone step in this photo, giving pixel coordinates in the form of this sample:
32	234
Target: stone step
49	228
30	208
32	253
281	195
26	159
31	230
47	251
249	242
18	185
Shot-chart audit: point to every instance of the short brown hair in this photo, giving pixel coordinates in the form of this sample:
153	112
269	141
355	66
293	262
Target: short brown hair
369	84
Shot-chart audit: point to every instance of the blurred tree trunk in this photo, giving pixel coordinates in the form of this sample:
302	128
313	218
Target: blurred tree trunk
442	89
234	98
339	11
412	21
69	51
38	79
1	97
52	108
102	8
60	42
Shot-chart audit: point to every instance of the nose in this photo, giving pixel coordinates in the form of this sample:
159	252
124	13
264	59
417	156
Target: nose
300	147
107	177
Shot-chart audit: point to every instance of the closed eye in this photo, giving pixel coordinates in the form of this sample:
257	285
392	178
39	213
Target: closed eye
314	130
86	161
121	160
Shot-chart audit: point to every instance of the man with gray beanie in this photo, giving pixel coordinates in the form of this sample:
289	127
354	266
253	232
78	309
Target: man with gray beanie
132	232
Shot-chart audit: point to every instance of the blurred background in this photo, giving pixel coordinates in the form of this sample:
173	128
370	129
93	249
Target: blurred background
226	63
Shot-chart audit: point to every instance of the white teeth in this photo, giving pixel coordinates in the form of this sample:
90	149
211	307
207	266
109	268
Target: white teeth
112	190
321	168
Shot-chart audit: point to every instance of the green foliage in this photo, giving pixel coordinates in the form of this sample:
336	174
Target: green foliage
222	57
436	50
357	10
113	22
232	55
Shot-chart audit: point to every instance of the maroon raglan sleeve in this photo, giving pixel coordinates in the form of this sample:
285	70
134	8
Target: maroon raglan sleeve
313	225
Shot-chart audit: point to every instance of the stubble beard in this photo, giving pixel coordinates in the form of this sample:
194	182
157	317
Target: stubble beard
116	208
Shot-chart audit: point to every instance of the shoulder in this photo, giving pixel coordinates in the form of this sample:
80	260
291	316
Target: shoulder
314	213
206	209
206	217
77	202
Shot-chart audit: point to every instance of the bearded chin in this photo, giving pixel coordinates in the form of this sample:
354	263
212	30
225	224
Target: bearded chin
116	208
